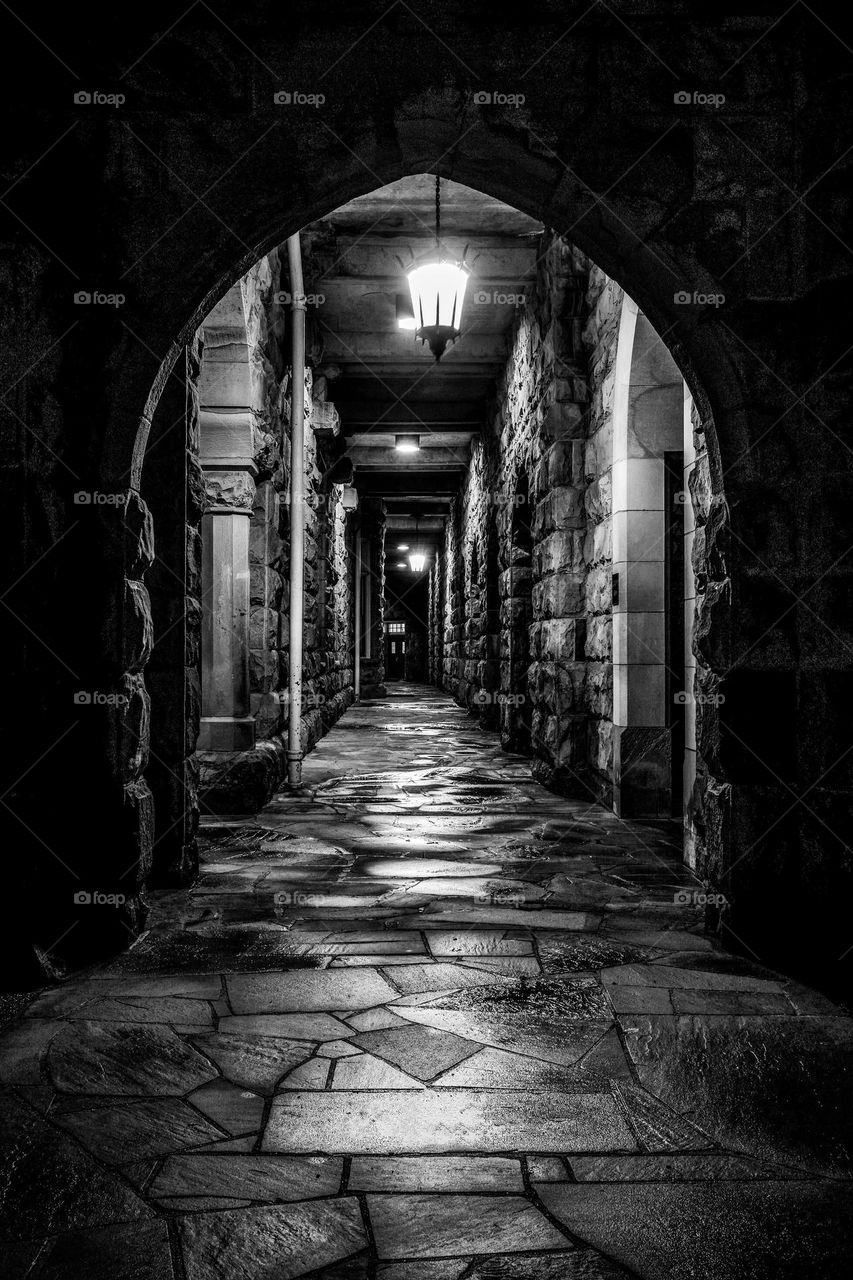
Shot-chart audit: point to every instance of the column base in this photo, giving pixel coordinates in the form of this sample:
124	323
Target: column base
226	733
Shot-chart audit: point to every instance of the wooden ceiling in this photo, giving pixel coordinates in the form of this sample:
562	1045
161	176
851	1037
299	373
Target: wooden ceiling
356	261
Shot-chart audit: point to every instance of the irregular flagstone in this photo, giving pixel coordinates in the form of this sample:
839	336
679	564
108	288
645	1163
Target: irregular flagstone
443	977
435	1173
579	1264
367	1072
652	975
548	1168
280	1241
433	1269
255	1062
422	1051
521	918
256	1177
706	1166
729	1074
412	1226
337	1049
552	1002
113	1058
49	1185
23	1048
162	1009
658	1127
497	1069
294	1026
237	1111
307	990
110	1253
564	1047
154	1128
313	1074
375	1020
712	1230
450	1120
74	995
359	962
473	942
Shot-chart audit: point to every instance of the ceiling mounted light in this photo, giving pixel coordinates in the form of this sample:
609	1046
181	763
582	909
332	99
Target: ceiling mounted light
417	558
402	546
405	314
407	444
438	292
401	564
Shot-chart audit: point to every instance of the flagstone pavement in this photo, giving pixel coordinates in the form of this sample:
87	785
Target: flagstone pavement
427	1021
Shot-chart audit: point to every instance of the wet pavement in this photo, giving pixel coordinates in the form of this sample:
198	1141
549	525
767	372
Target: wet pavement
427	1021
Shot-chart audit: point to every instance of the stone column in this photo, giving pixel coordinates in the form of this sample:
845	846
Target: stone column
226	458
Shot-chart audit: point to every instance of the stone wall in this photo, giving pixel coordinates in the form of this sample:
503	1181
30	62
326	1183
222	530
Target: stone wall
526	599
243	781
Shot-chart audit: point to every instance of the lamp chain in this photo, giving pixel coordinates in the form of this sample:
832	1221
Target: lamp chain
437	212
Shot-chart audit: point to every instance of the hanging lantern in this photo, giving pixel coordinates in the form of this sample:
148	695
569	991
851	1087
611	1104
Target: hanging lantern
438	293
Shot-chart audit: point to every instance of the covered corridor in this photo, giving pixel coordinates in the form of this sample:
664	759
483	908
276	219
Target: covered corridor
426	1021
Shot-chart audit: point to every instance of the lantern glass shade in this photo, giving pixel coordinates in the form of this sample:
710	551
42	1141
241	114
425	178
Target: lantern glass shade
438	294
417	560
407	444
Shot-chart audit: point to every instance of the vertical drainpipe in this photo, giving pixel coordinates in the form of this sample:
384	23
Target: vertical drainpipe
357	611
297	513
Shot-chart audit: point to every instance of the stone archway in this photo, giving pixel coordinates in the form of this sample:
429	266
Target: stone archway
178	258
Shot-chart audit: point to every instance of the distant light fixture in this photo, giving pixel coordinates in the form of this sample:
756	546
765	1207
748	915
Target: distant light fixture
405	314
407	444
438	292
402	546
401	564
417	558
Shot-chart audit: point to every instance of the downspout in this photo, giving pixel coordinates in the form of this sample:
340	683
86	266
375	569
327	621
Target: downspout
297	513
357	636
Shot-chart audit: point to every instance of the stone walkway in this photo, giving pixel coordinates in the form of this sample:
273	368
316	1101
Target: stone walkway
425	1022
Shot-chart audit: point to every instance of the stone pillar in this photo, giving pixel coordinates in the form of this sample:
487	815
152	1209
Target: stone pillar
372	526
226	458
